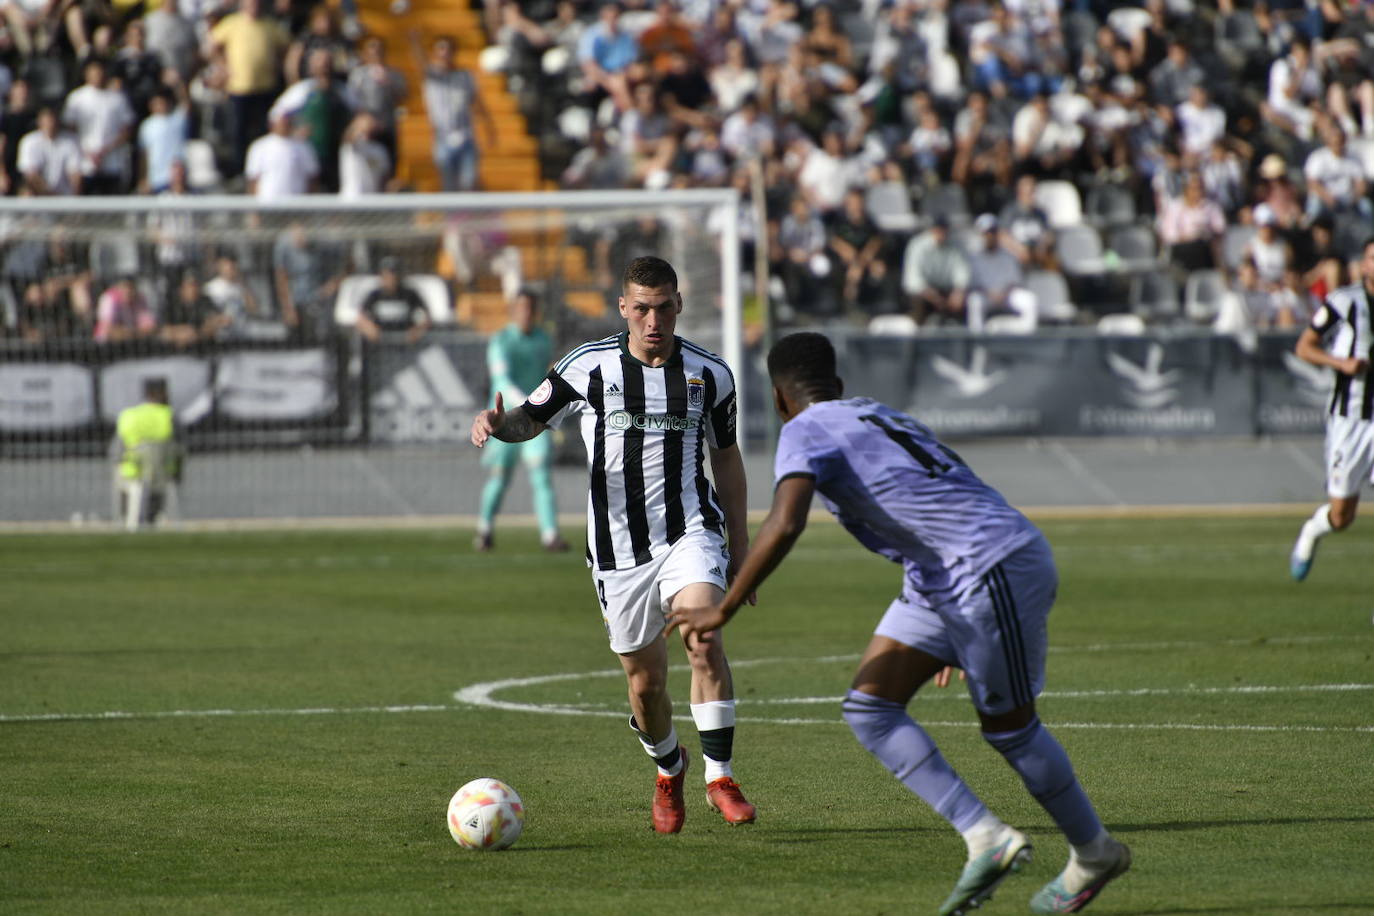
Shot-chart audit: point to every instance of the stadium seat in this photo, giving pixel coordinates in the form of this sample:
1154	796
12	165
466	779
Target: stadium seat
890	206
1202	295
1053	303
1154	295
949	201
1362	148
1109	205
1121	324
1136	246
946	81
202	172
575	123
1233	243
493	59
1079	249
1061	202
355	287
893	326
1128	21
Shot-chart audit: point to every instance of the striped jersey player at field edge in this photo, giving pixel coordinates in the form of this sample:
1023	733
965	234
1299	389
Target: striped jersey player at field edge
1340	337
978	585
649	404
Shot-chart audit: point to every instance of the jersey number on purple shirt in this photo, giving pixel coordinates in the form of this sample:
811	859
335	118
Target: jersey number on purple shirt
906	438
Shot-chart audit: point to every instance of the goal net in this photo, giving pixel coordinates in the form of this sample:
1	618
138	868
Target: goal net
248	312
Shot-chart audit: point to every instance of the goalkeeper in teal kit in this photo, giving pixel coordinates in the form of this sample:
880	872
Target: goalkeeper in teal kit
518	358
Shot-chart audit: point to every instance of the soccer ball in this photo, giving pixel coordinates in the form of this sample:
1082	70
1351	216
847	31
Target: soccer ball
485	814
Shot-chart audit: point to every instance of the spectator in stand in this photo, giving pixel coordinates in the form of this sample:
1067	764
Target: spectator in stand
18	117
666	34
1335	179
321	35
173	233
1201	122
803	265
392	308
824	174
733	81
49	159
1191	226
1004	56
1322	268
647	138
1025	227
307	272
162	136
1277	191
749	132
172	38
250	46
136	69
26	22
379	90
191	317
122	313
322	108
364	163
708	164
66	274
43	317
858	252
1173	78
234	299
827	40
721	27
1043	144
597	166
104	124
900	47
1223	177
1295	84
523	40
1349	59
606	55
453	102
686	94
931	148
996	282
982	152
1267	250
935	275
280	164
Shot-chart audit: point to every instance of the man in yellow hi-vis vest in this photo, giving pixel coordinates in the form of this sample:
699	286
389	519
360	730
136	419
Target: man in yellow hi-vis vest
149	454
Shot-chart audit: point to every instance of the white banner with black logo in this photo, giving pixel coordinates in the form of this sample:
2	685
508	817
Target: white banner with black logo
45	396
426	392
276	385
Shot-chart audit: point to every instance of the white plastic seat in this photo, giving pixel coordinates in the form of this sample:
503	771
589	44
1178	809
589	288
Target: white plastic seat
202	172
1123	324
1062	203
1202	294
1052	296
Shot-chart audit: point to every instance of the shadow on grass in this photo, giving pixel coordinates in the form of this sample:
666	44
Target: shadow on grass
1172	826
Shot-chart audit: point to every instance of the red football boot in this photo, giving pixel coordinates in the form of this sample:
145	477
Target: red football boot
725	796
669	811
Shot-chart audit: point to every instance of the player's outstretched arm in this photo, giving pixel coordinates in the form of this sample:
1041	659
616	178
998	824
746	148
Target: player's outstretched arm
785	522
508	426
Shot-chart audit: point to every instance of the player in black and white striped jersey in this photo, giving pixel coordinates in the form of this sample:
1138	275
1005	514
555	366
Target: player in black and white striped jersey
1341	338
650	405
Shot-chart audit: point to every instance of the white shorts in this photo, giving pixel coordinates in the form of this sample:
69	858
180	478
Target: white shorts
635	601
996	631
1349	455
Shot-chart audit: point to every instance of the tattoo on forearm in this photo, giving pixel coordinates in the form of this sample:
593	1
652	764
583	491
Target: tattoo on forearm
517	427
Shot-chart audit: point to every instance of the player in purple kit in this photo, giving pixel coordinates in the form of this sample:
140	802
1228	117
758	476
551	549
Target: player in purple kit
979	581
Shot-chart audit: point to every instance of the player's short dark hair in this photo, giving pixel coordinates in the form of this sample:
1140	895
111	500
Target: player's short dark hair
804	358
155	388
649	272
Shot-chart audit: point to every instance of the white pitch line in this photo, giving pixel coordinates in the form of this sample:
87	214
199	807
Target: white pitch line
119	715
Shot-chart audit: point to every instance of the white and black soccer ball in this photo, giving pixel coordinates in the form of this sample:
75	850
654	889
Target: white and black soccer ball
486	814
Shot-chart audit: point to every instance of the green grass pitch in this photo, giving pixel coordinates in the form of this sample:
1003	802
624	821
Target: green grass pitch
292	733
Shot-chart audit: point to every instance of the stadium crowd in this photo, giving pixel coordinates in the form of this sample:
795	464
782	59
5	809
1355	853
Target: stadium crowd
999	165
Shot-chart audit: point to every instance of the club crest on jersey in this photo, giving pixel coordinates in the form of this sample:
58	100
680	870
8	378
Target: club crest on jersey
696	392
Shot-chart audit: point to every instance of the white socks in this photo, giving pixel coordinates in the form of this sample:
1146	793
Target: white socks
983	835
715	722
